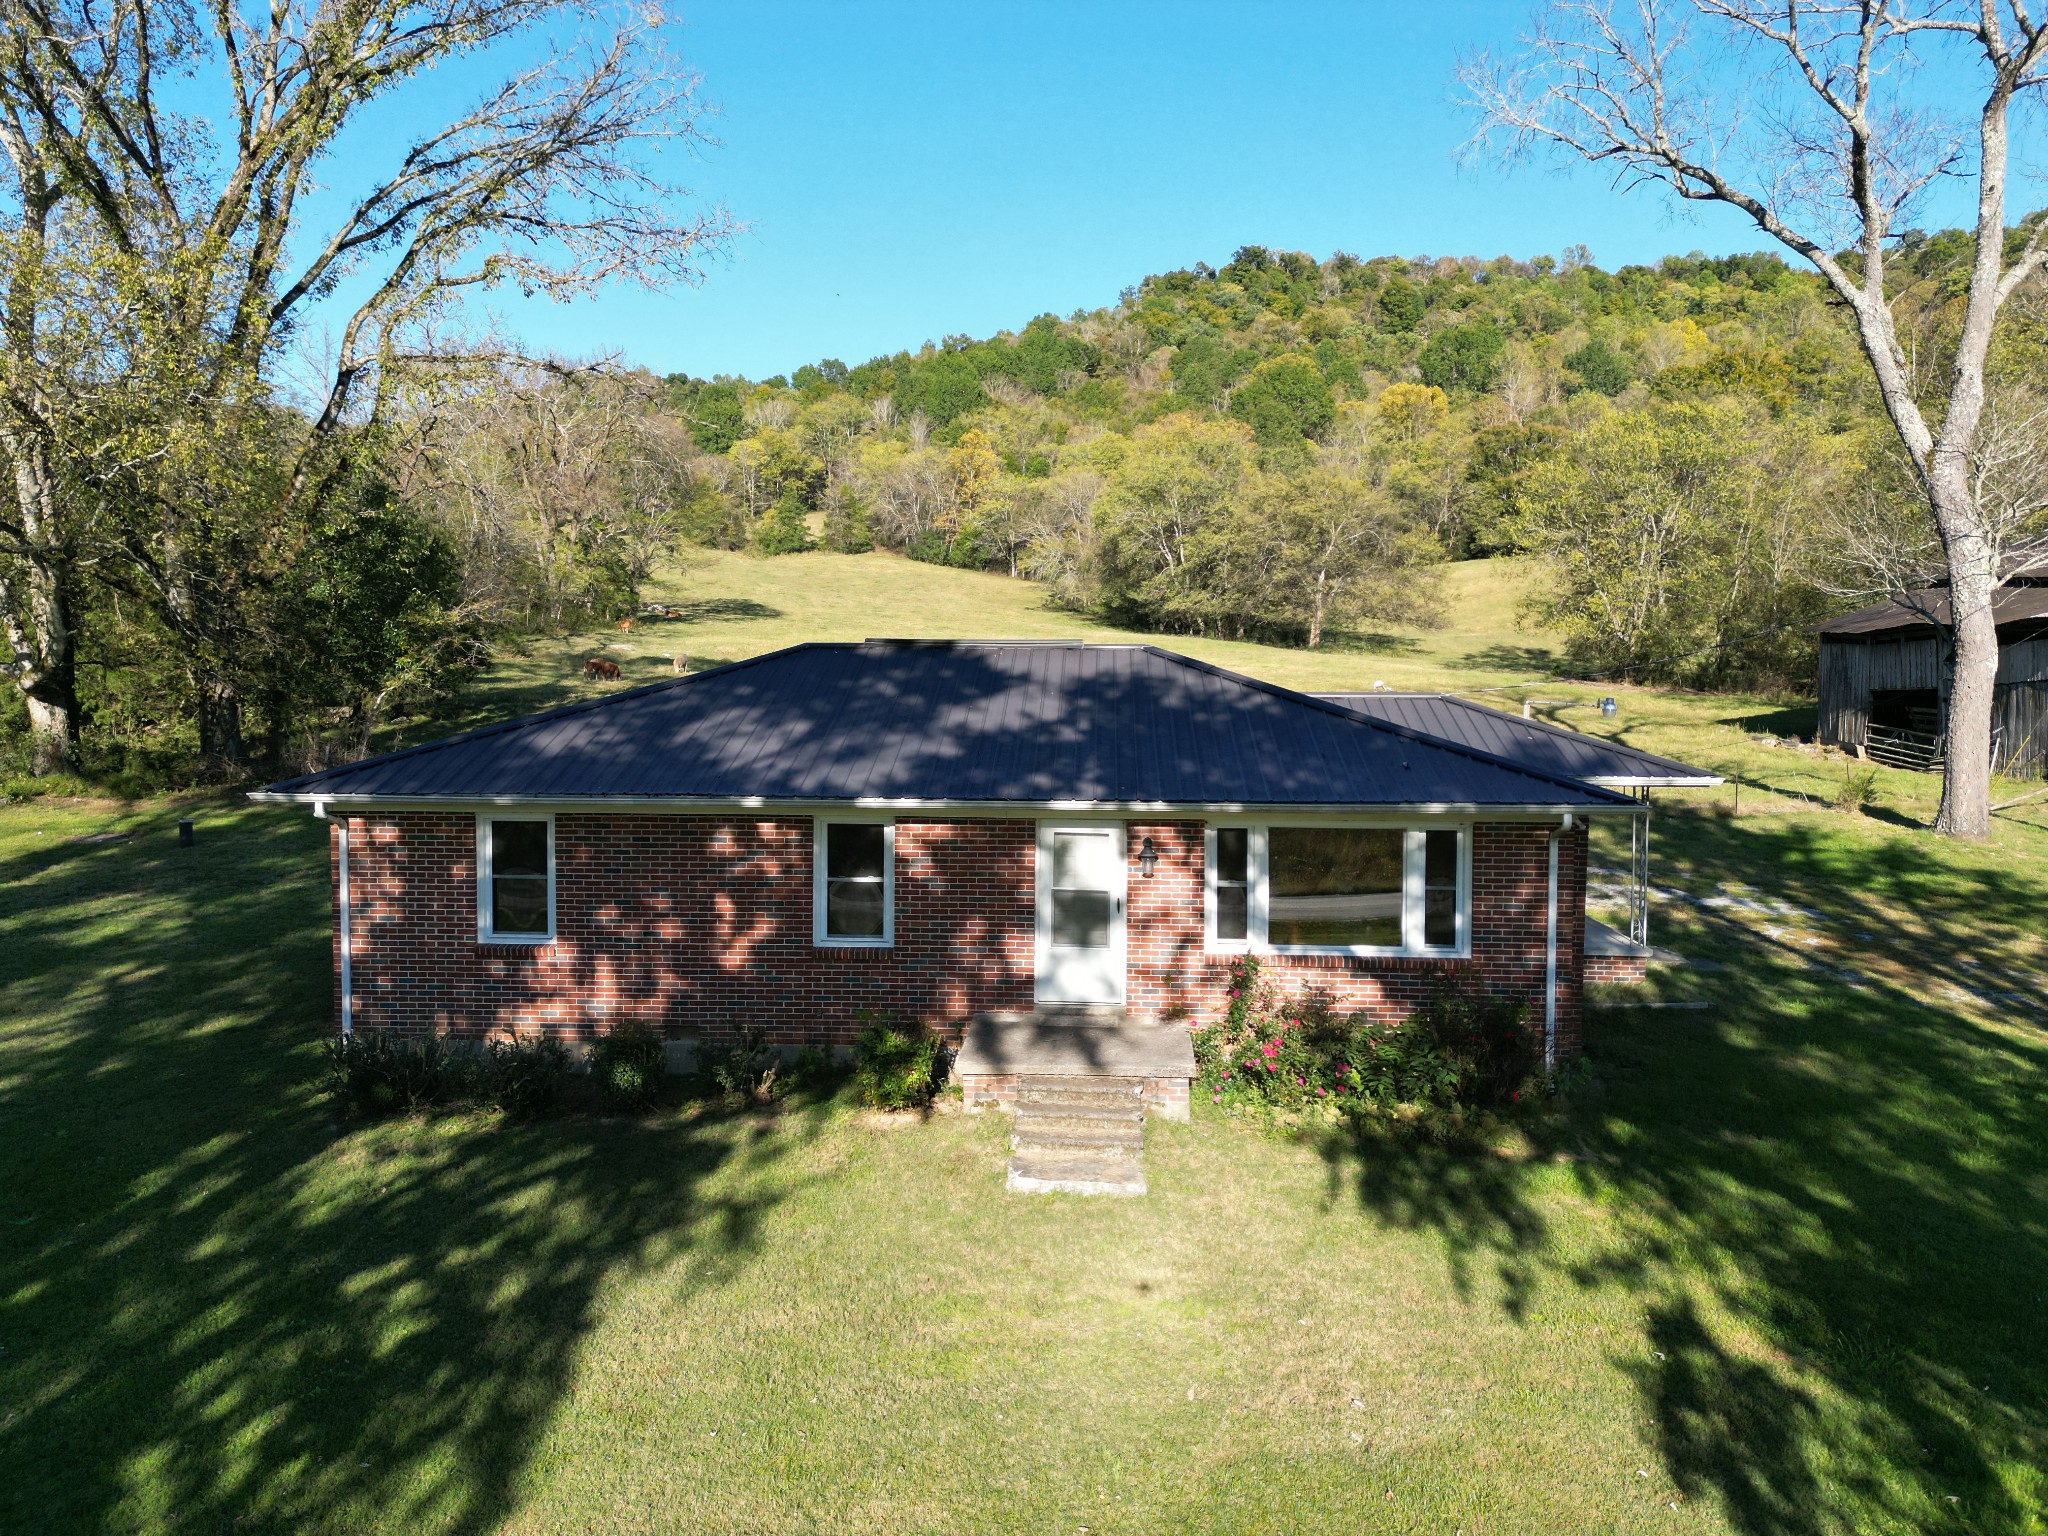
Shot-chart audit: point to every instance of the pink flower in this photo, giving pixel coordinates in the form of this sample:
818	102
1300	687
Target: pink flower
1269	1049
1325	1093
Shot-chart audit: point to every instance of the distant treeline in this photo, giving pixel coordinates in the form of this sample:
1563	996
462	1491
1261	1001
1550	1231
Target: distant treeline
1281	448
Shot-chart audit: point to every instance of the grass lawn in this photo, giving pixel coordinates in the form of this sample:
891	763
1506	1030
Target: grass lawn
1783	1269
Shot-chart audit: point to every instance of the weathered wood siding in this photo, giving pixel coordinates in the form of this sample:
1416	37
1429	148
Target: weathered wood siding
1850	669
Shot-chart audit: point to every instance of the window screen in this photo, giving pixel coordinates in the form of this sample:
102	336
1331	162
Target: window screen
1440	889
856	880
1084	876
519	877
1233	882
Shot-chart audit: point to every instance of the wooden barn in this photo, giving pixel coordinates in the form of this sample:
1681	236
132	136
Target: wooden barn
1884	681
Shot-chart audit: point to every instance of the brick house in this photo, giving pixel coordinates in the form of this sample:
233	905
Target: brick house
944	830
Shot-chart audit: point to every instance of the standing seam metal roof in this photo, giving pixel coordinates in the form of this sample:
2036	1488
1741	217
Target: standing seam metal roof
958	721
1535	743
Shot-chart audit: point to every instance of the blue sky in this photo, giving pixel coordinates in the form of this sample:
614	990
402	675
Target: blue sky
911	170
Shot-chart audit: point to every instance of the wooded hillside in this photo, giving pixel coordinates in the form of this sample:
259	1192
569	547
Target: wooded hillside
1280	449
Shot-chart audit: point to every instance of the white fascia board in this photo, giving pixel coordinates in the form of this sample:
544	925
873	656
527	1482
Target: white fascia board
684	805
1651	781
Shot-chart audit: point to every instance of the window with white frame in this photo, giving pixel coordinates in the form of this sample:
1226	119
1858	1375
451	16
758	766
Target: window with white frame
1339	890
854	883
1230	861
515	879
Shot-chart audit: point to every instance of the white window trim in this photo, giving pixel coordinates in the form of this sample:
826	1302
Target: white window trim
1257	940
819	938
1254	868
484	933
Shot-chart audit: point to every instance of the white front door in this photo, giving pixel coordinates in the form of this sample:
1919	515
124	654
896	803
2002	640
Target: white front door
1081	913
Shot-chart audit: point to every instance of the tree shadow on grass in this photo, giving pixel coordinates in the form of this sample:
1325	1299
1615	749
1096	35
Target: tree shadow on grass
1826	1197
1369	643
1538	659
219	1307
705	609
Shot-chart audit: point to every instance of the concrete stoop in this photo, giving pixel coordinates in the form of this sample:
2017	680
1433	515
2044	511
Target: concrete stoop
1079	1136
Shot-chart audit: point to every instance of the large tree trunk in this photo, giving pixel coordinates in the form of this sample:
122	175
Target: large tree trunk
1966	771
220	723
52	735
35	617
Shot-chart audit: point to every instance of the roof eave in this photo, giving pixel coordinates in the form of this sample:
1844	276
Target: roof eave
1610	805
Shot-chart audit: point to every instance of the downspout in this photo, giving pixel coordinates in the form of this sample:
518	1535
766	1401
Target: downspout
1550	955
348	999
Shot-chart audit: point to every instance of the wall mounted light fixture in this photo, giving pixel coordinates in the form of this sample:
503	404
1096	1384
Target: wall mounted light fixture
1148	858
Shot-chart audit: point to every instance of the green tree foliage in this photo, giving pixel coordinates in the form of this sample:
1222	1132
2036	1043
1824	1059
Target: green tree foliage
1463	357
847	531
1190	534
161	258
1684	541
784	531
714	409
1597	366
1284	400
370	619
1428	390
1400	306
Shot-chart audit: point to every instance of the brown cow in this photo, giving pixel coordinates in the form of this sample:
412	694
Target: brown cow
599	667
625	626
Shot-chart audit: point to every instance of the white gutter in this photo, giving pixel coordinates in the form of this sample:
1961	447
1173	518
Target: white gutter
597	805
1550	955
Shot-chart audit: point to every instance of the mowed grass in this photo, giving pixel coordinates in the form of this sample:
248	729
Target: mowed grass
1778	1270
740	605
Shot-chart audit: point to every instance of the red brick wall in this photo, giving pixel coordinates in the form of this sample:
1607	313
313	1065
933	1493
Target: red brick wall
1616	968
1169	969
703	923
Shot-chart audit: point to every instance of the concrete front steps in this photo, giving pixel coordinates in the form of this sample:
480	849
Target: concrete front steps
1079	1136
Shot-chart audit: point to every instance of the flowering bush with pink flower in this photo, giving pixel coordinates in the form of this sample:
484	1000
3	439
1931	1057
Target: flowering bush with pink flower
1271	1049
1461	1048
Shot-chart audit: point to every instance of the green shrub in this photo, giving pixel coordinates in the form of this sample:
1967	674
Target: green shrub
1389	1066
628	1065
896	1064
814	1074
1462	1049
742	1068
375	1073
1858	790
525	1077
1486	1038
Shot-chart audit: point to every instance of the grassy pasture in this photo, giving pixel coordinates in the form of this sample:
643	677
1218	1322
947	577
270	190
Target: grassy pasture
1780	1271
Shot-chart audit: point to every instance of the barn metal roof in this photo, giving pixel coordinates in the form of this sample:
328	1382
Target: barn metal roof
956	722
2013	605
1533	743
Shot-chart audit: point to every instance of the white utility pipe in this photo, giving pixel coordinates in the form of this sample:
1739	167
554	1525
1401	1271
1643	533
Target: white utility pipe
1550	955
348	998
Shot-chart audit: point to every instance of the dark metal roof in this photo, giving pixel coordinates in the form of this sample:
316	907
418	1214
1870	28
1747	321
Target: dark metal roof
1535	744
961	722
2012	605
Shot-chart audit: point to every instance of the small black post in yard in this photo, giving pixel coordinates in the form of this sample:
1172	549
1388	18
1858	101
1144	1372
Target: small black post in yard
184	831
